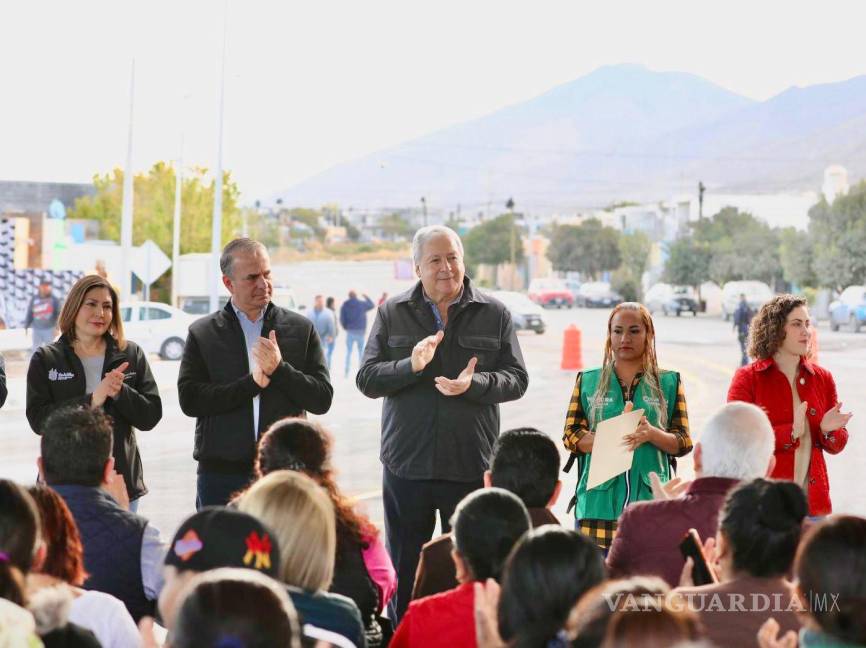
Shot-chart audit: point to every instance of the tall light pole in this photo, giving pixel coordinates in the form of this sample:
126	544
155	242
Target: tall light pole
175	239
424	209
126	212
217	225
510	206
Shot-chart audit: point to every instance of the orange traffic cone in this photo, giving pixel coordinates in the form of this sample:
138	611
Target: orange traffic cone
572	356
813	347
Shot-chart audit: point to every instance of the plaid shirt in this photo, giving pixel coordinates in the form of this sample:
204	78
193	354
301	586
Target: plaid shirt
577	425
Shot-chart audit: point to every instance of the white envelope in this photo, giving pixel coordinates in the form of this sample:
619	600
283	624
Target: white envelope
609	456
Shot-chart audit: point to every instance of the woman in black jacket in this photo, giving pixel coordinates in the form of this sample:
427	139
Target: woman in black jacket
93	365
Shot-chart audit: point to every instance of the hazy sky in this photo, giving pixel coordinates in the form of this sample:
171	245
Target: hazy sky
309	84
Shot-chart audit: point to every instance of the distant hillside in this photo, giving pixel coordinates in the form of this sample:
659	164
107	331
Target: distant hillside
621	132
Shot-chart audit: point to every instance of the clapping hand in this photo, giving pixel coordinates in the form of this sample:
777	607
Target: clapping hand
422	353
267	357
109	387
768	636
671	489
834	419
460	384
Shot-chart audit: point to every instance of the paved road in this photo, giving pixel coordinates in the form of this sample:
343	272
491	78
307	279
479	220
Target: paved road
703	349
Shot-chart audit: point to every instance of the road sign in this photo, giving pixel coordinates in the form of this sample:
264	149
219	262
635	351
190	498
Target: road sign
148	262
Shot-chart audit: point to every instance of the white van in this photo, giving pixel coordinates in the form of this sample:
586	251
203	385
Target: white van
757	294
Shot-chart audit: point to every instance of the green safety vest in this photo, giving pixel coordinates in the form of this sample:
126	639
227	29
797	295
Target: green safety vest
607	500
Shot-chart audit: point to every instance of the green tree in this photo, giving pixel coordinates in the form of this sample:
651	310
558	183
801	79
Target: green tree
589	248
490	243
740	247
153	209
838	234
394	226
795	254
688	262
635	250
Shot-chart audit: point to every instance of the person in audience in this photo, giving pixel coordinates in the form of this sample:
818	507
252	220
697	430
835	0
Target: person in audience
629	378
487	524
546	573
759	530
736	444
212	538
797	394
301	516
93	365
362	567
235	608
654	623
525	462
587	624
123	552
20	549
830	571
63	562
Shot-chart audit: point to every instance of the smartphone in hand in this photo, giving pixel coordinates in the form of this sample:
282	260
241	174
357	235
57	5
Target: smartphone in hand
691	547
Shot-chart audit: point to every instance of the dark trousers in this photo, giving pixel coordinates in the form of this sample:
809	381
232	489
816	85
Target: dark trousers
215	489
410	517
744	343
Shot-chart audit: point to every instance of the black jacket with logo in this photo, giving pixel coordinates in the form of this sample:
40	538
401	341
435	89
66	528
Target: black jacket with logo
56	379
425	434
215	384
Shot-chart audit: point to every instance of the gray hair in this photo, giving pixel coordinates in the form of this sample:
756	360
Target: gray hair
737	442
238	246
423	235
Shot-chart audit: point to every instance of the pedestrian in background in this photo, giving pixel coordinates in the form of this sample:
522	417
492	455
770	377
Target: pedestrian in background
353	318
742	318
325	324
42	315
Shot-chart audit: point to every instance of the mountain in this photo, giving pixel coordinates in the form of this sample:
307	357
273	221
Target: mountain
621	132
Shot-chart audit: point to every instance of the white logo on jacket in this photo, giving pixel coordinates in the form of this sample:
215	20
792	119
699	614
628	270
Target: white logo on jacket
55	375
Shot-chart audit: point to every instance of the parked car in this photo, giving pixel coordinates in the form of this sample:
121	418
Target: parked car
526	314
757	294
597	294
550	292
573	286
671	299
156	327
849	309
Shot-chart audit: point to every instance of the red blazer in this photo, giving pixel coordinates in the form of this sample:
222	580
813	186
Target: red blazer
764	384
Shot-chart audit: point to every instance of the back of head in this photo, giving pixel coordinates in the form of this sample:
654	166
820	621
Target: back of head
216	537
294	444
228	608
19	533
737	442
64	558
75	446
301	515
546	573
659	625
487	523
761	520
526	463
831	574
589	619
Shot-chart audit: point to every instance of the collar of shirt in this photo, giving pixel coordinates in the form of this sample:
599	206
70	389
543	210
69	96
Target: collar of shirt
240	314
440	325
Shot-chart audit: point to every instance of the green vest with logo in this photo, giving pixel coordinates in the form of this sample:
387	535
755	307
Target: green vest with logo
607	500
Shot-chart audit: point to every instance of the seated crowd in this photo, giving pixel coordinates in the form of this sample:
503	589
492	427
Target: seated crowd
292	562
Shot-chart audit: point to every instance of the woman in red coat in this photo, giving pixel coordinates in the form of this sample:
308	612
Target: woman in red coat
797	395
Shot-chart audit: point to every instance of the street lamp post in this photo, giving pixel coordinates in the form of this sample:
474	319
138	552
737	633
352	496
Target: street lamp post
510	206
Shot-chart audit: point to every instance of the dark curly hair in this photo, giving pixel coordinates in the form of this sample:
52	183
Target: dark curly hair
301	445
767	330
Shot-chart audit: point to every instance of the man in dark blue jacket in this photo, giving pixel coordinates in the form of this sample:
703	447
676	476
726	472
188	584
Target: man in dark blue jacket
353	318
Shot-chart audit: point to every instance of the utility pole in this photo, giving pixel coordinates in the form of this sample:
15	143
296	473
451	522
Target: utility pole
510	206
175	238
424	209
701	190
217	224
126	212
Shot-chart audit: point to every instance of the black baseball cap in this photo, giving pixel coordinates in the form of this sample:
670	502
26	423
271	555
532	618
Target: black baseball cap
223	537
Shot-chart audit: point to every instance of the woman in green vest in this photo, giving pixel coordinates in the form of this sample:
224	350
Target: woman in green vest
628	378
